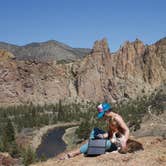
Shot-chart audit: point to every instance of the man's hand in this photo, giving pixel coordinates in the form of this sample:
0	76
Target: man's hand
123	148
123	143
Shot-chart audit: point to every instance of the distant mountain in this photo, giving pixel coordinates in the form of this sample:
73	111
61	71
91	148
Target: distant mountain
50	50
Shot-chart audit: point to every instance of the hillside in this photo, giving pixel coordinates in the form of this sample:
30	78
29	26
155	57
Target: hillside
45	51
134	70
154	154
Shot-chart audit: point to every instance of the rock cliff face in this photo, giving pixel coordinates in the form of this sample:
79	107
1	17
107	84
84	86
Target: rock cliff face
27	81
135	69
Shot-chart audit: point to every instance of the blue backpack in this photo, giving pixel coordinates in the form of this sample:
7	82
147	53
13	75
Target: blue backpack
96	146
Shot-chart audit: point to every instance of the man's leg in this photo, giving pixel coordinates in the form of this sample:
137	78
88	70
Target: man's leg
83	149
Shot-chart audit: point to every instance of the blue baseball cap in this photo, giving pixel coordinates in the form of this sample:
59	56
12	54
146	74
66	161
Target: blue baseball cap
102	109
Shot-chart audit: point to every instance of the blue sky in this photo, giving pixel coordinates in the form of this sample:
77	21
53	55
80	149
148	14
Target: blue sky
79	23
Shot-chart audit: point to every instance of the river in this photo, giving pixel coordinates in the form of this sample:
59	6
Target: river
52	143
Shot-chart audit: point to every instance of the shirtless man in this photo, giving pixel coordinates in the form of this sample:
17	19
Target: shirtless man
117	128
118	132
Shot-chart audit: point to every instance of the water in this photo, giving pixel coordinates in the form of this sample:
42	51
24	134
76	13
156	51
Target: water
52	143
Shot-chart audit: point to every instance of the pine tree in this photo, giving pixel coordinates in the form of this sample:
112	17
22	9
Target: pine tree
8	135
29	156
10	131
61	113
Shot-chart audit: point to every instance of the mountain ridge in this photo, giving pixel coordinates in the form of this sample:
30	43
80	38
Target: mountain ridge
134	70
49	50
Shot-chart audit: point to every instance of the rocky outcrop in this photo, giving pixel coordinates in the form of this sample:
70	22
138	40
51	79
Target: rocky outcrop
135	69
5	55
26	81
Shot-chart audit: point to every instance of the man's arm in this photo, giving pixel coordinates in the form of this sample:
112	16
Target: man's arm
121	122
